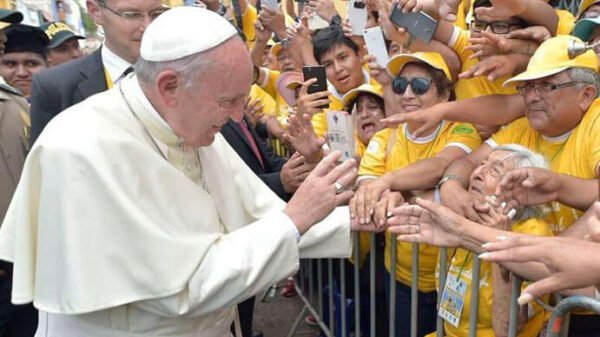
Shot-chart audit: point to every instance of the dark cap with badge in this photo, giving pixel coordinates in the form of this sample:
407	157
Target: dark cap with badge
24	38
58	33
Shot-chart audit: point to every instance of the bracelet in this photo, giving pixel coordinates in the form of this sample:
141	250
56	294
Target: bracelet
451	177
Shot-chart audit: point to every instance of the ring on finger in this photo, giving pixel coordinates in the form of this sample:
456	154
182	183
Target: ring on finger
339	188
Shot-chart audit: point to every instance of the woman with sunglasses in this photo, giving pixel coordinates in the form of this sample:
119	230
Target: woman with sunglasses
396	165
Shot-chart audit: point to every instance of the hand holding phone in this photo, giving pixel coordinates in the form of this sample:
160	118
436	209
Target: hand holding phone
340	133
376	45
418	24
357	15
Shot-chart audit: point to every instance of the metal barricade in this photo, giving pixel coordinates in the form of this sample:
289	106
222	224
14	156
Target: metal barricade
342	314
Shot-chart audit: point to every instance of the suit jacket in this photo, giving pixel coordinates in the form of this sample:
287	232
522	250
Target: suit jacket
57	88
270	174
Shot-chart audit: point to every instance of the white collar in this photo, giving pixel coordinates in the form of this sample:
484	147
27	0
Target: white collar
136	91
336	94
113	64
557	139
424	139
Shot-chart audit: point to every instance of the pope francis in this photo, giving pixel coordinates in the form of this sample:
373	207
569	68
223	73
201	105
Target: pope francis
134	217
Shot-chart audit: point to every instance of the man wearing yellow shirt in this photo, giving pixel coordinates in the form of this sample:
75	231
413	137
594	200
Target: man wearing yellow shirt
397	161
562	123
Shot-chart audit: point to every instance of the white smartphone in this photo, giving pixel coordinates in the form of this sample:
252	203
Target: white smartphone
340	133
376	45
270	4
357	15
316	22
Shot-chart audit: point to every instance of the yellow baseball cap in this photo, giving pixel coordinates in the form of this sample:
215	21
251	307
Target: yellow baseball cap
434	60
584	5
552	57
351	95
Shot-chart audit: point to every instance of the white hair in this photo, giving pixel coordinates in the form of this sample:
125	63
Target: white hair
524	157
188	68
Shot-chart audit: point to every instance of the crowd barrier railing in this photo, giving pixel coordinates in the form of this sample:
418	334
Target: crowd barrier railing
323	285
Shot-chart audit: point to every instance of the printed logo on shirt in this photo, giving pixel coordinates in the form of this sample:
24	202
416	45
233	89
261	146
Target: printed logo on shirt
373	147
463	130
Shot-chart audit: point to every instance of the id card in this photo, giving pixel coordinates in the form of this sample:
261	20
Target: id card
453	300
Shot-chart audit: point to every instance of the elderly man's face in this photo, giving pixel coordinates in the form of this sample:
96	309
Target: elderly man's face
220	95
124	23
556	112
486	177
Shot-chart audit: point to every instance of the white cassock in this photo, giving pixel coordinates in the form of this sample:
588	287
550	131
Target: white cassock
110	239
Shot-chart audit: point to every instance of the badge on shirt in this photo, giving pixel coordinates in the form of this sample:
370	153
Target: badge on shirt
453	300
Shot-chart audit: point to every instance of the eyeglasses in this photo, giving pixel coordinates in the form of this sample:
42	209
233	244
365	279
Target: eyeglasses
135	15
418	85
543	88
498	27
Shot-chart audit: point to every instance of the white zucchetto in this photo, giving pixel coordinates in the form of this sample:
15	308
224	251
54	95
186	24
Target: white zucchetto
183	31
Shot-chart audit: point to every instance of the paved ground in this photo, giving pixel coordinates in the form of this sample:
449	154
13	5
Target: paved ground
276	315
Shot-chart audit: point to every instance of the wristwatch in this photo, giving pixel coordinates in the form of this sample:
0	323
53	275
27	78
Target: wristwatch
451	177
336	20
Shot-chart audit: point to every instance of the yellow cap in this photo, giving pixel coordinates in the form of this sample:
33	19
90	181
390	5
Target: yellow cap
552	57
276	49
435	60
351	95
584	5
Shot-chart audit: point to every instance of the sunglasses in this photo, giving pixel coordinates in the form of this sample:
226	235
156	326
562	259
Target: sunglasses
418	85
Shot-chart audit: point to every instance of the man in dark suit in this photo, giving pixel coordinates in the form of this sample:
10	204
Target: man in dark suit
283	177
57	88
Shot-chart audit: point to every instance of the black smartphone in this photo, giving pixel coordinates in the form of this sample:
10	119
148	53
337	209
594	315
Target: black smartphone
419	24
319	73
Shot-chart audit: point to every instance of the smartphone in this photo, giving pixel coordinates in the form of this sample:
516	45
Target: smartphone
376	45
317	72
357	15
270	4
419	24
340	133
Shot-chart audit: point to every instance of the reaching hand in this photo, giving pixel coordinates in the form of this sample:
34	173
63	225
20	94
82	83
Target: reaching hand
501	10
448	9
324	8
390	31
377	72
427	222
427	118
573	263
273	20
318	195
408	5
488	44
294	172
385	207
301	135
461	201
494	67
528	186
363	205
535	33
253	111
262	34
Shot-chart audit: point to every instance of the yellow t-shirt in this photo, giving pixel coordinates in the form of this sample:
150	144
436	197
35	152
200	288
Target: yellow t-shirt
391	149
577	156
566	22
476	86
484	318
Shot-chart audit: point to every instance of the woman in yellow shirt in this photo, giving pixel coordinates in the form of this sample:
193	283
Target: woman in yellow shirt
397	161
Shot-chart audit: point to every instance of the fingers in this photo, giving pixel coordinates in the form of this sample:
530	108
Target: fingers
540	288
359	206
305	85
343	198
345	173
395	120
326	163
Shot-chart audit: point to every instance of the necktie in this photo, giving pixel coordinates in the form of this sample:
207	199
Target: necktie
252	142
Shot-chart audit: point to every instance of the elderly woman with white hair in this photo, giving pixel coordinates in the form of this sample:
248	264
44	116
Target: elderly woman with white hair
416	224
